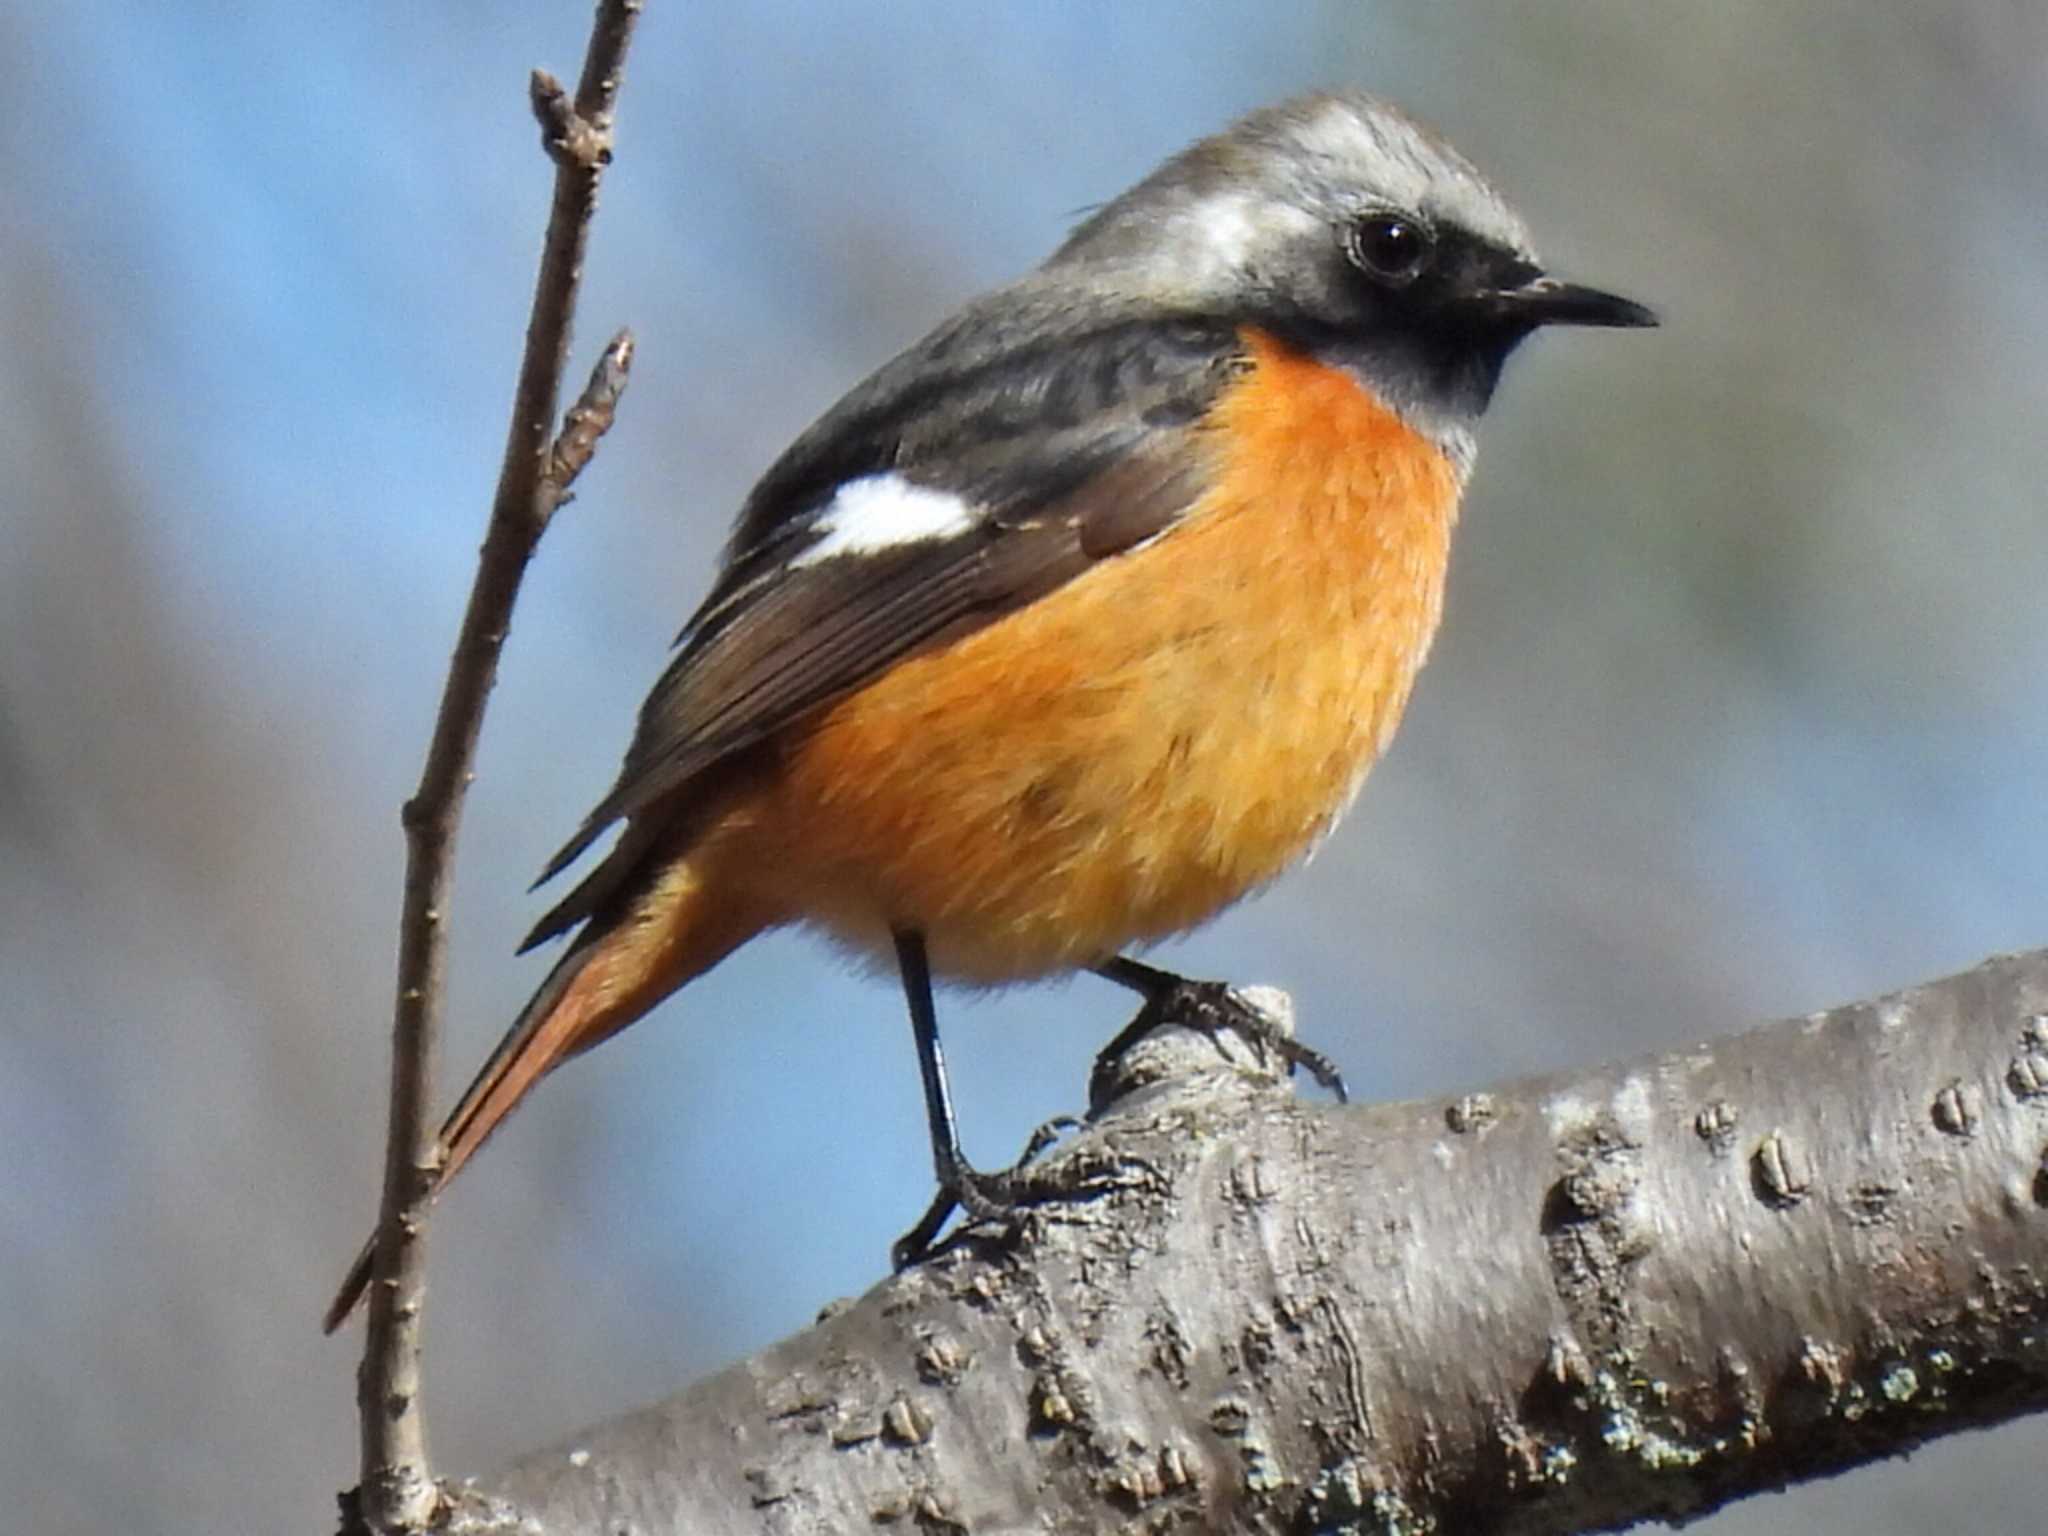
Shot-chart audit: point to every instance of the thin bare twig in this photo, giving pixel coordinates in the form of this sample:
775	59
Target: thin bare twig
398	1493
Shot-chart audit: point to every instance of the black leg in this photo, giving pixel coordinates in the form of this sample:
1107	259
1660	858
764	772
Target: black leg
985	1197
1211	1006
931	1056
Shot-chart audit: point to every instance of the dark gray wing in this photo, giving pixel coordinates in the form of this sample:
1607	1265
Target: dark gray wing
1065	452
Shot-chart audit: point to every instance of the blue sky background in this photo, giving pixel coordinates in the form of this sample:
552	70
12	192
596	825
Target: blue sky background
1739	709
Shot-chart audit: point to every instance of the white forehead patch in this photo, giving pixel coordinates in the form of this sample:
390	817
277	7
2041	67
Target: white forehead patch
1244	205
885	511
1377	145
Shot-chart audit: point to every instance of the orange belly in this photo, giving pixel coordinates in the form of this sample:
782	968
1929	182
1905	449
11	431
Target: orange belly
1172	729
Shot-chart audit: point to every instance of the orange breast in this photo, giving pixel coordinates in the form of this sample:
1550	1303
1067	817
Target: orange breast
1167	732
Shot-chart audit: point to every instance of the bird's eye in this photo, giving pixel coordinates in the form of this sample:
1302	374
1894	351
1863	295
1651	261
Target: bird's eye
1391	248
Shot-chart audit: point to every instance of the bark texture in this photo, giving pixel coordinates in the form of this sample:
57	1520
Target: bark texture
1568	1304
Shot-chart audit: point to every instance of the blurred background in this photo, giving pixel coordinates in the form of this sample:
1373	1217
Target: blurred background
1740	708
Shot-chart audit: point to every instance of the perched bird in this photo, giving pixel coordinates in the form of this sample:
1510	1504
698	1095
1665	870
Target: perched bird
1082	618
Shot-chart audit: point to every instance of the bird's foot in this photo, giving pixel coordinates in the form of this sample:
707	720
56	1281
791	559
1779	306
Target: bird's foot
1215	1008
983	1196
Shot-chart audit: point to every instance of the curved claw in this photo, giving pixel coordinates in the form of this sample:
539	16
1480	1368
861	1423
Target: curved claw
1043	1138
983	1196
1213	1007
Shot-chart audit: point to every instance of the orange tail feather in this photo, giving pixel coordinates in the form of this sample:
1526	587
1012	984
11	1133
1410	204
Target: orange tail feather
619	968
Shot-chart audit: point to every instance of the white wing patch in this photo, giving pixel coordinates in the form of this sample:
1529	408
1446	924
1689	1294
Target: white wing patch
885	511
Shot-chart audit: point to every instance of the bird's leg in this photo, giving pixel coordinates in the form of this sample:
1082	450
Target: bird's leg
1210	1006
984	1196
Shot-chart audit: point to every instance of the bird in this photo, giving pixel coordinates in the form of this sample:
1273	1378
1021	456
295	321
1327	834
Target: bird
1077	622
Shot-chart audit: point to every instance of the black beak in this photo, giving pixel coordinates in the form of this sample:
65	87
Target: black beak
1546	301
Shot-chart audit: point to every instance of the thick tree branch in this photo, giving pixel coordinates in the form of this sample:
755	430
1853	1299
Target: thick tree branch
398	1492
1568	1304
